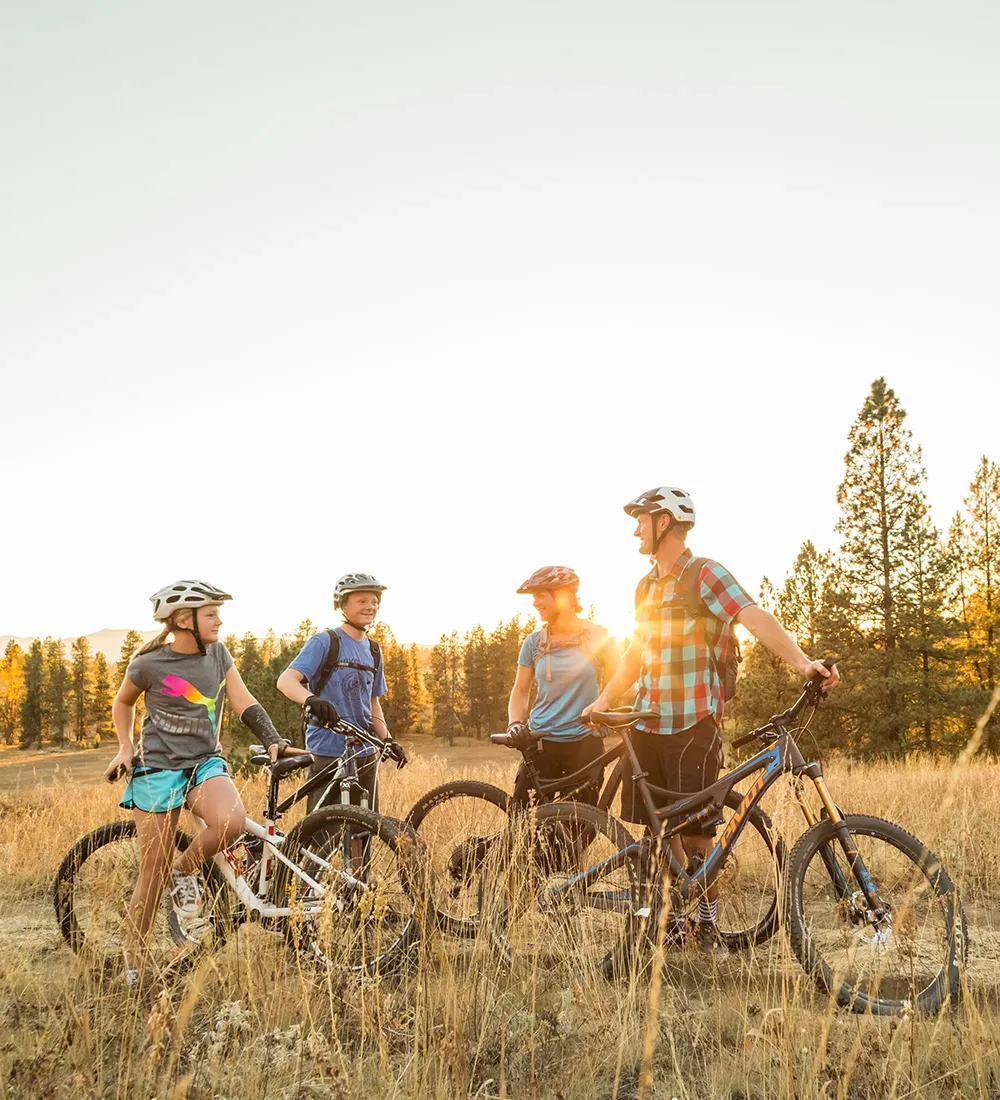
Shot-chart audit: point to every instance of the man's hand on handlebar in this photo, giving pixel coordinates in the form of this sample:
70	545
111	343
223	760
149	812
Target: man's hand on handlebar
826	670
286	748
396	752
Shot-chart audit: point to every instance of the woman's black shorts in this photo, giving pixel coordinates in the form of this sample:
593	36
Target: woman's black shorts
560	758
687	762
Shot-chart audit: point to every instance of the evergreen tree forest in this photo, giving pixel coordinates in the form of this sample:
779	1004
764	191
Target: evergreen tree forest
908	603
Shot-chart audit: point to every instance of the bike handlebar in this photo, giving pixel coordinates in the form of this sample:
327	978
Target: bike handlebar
812	692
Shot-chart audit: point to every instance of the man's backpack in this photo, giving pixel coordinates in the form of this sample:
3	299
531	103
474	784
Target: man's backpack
688	595
333	661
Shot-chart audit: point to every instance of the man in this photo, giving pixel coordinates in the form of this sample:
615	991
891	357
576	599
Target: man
348	686
677	657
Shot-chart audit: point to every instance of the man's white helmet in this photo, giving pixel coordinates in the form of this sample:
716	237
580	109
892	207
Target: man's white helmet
185	596
663	499
355	582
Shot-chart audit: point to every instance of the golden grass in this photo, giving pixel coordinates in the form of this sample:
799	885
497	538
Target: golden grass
252	1021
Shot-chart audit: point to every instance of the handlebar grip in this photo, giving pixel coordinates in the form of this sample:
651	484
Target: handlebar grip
741	741
828	662
501	739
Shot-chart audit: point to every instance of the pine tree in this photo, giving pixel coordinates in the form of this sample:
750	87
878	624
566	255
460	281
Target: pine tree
131	644
982	557
444	683
11	691
801	600
81	683
924	629
878	499
100	701
31	702
56	701
476	669
765	684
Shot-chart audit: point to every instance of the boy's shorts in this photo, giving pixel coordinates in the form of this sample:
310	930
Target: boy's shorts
158	790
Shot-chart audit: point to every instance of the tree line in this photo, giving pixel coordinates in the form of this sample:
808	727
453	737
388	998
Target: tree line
910	611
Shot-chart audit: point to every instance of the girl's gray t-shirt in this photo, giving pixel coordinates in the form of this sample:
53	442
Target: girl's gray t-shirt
184	693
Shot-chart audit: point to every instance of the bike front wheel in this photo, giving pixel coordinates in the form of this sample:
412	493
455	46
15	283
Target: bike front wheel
563	893
906	953
461	823
373	895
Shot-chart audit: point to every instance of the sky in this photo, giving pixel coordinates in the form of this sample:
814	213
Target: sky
431	290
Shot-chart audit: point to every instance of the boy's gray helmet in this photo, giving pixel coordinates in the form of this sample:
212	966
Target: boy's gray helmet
185	596
355	582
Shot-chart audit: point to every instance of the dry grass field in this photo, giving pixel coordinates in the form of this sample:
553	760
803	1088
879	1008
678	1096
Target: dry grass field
251	1021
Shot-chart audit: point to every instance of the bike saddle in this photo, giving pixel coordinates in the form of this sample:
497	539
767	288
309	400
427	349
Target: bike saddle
284	764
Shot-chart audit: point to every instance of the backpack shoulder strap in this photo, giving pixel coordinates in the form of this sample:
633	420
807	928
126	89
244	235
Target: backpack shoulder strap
690	588
376	653
332	656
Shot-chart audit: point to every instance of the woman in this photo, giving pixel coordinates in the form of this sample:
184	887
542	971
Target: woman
569	659
347	686
185	674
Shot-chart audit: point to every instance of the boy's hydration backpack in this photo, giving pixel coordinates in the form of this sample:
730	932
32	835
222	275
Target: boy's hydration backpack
688	595
333	661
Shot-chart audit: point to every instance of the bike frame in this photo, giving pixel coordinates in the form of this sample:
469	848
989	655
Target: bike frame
780	757
343	771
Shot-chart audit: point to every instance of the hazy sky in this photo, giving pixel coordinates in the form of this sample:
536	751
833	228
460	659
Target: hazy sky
430	290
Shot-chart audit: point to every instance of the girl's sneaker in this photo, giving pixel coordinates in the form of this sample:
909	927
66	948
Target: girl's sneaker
185	897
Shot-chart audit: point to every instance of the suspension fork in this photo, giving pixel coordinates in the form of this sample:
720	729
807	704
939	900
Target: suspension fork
846	840
827	853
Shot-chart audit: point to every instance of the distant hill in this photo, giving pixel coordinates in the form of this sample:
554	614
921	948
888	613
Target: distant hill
108	642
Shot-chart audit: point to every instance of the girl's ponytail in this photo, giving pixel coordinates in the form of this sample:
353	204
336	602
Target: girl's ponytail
156	643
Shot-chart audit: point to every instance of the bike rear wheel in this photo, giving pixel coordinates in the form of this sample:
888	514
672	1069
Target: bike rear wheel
94	885
749	883
460	822
905	955
375	896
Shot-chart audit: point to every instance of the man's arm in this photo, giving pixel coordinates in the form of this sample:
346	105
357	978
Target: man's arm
766	628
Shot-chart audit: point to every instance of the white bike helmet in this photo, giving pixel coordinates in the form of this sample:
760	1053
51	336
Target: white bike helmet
185	596
664	498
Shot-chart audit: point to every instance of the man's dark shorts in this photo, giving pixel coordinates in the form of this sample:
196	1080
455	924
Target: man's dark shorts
687	762
559	758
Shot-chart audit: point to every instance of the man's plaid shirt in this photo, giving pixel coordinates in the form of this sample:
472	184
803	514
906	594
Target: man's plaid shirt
681	656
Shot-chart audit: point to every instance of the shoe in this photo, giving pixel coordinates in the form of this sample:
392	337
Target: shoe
185	898
707	939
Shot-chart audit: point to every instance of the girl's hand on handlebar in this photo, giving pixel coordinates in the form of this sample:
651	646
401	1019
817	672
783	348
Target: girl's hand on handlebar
120	767
284	749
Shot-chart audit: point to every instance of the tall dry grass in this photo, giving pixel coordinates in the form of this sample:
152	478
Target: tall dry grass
252	1021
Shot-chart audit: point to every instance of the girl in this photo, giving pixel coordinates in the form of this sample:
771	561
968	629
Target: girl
569	658
185	674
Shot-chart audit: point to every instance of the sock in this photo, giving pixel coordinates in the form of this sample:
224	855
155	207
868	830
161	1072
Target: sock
708	911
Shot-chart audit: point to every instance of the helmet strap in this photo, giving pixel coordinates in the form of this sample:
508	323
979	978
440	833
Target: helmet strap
658	536
192	630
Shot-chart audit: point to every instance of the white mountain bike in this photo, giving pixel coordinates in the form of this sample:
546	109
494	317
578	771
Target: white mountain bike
346	886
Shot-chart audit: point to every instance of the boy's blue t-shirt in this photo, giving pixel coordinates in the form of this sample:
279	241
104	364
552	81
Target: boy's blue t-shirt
574	684
349	689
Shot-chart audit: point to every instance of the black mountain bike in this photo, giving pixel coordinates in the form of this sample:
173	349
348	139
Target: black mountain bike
465	823
870	912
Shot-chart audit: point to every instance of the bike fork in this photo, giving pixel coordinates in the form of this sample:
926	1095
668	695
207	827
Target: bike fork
854	859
